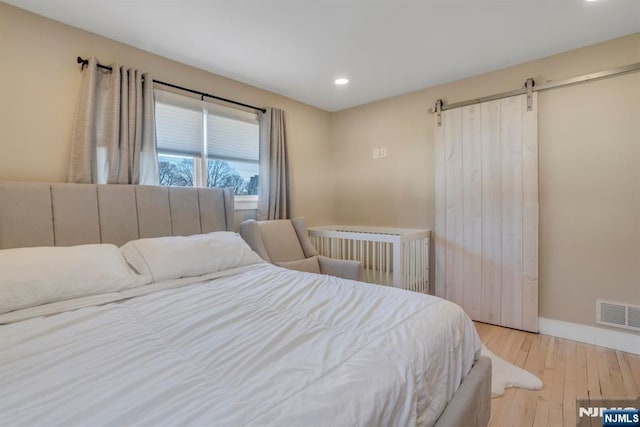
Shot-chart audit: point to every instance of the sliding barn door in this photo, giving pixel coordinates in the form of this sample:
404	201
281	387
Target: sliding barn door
487	210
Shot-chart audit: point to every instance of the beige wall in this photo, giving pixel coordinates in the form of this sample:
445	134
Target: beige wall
589	171
40	82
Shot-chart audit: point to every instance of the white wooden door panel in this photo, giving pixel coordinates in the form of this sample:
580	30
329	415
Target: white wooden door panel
453	202
491	281
472	210
440	242
530	218
511	141
487	211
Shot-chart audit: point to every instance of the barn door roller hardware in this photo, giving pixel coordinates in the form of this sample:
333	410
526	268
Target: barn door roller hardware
530	87
438	110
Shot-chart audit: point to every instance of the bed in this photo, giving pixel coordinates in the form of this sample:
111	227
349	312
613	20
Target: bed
247	344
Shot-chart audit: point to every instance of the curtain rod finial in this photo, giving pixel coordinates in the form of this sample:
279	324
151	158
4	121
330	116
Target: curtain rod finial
84	62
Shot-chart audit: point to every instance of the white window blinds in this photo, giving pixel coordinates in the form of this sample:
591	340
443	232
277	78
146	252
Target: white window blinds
179	124
232	135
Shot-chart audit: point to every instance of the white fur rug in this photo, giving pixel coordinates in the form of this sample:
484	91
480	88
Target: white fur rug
504	375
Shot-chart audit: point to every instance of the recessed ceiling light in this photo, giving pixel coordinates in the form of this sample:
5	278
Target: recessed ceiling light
341	81
590	0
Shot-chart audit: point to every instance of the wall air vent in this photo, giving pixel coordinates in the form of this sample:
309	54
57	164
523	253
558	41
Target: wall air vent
633	317
618	315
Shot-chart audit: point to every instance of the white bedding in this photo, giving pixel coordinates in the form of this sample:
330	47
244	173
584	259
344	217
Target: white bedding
261	346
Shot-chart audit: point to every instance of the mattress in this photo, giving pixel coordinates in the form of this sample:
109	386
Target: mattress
260	346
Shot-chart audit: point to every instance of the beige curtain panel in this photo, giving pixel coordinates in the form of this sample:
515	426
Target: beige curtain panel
114	137
274	200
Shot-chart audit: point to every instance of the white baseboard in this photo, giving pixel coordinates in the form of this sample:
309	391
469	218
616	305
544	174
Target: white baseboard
617	340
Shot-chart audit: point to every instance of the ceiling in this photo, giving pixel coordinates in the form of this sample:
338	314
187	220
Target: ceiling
297	48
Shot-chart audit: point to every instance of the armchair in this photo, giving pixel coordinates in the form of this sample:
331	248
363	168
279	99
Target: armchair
286	243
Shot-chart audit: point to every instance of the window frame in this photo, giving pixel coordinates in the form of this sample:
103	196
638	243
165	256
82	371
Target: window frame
200	165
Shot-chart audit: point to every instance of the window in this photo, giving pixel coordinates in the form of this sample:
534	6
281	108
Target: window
207	145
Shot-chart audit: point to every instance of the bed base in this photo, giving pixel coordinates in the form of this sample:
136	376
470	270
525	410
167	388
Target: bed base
471	403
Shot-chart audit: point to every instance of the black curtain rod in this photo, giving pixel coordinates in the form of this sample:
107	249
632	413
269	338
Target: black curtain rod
85	62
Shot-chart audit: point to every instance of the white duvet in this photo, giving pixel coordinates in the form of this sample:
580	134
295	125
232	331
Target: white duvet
260	346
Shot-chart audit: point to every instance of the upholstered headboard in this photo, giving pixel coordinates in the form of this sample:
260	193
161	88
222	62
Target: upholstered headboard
43	214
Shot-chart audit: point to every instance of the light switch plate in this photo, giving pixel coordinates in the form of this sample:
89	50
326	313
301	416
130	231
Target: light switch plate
376	153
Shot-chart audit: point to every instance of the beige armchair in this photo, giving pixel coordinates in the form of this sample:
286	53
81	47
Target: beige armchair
286	243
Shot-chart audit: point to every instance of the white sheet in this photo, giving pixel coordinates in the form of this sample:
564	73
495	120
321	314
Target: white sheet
263	347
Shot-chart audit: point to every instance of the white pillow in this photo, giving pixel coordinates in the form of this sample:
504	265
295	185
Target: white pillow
166	258
36	276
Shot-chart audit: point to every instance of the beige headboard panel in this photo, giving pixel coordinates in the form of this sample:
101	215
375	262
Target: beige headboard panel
42	214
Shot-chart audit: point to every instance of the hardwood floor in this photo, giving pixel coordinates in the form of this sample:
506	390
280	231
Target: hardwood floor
568	370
